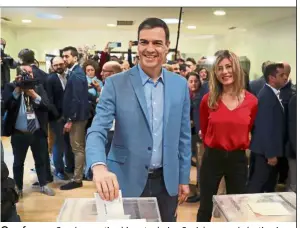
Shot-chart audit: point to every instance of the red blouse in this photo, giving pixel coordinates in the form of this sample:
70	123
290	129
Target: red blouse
228	129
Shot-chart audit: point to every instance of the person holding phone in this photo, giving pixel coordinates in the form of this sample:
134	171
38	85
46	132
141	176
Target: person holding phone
90	68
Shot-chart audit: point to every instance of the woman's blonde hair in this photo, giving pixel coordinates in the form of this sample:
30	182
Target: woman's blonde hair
215	87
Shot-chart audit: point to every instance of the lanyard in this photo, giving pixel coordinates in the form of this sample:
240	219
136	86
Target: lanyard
28	104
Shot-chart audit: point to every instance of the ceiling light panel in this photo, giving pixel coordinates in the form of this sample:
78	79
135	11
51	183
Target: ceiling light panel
220	13
26	21
172	21
191	27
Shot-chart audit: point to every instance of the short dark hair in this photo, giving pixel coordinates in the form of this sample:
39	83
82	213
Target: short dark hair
182	67
271	69
263	66
73	50
153	22
191	60
27	56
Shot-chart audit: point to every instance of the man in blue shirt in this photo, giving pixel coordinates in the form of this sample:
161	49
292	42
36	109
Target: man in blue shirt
150	155
26	123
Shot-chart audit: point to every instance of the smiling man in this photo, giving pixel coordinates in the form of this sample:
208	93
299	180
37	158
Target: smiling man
150	155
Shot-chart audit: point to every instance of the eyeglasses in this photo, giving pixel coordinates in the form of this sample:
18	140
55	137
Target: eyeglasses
107	71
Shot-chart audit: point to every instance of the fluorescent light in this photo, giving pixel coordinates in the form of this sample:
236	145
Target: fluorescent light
26	21
49	16
191	27
171	21
111	25
219	13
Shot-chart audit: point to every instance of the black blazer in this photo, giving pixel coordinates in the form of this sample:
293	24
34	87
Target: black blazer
269	126
76	99
292	122
12	106
256	85
39	75
55	93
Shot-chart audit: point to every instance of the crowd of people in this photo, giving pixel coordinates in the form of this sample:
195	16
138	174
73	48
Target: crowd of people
134	124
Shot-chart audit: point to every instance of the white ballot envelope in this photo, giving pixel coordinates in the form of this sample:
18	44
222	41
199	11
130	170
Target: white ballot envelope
110	209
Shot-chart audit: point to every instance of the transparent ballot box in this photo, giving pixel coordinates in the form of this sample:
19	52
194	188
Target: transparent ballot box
263	207
85	210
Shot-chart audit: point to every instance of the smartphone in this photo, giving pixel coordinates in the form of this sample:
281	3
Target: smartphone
114	44
135	43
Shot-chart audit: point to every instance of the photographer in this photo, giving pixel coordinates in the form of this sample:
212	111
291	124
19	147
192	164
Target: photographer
7	63
27	57
26	122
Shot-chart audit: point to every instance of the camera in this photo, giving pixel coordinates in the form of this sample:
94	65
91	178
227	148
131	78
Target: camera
26	82
6	59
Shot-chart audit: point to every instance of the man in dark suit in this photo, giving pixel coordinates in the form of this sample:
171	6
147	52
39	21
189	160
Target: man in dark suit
27	57
286	92
76	110
267	143
257	84
56	84
26	123
292	151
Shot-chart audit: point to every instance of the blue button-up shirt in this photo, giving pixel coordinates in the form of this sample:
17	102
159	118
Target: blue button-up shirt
154	94
21	123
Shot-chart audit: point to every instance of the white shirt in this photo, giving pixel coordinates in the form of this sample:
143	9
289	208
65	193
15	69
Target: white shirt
62	77
277	93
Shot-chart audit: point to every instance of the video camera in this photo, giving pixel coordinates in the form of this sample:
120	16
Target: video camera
6	59
26	82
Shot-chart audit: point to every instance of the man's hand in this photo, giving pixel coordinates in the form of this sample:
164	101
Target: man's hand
31	93
272	161
1	61
67	127
106	183
183	192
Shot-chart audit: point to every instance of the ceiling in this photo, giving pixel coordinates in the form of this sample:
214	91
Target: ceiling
97	18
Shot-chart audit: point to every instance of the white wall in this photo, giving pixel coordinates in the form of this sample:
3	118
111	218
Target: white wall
274	41
11	43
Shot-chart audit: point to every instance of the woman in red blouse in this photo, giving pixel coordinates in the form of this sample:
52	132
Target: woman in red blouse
227	115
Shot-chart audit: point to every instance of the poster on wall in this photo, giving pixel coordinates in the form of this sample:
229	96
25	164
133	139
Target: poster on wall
48	58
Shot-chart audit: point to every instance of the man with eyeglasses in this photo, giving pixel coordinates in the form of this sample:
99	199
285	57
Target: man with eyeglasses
56	85
110	68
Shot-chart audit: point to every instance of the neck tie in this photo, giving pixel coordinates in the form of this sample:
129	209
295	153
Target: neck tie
31	125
